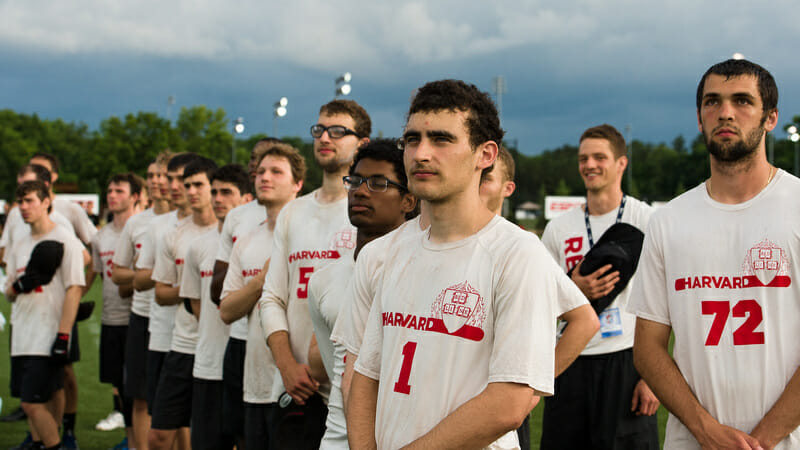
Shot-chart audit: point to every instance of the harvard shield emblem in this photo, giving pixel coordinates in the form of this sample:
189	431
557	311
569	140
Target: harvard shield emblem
459	305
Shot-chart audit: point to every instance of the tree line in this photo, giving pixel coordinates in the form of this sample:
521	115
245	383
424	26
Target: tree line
660	171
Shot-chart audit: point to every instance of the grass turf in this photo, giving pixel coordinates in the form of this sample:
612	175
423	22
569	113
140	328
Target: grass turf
94	398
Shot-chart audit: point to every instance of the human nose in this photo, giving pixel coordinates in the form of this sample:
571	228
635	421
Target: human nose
725	111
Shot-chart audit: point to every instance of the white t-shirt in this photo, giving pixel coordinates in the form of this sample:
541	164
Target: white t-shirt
449	318
81	224
116	309
725	278
135	235
37	314
349	327
170	264
238	222
211	333
567	240
327	292
262	382
15	228
308	236
162	318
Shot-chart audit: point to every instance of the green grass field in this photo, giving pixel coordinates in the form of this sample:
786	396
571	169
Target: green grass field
95	398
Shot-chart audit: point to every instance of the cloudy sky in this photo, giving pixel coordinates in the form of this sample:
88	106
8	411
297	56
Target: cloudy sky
567	65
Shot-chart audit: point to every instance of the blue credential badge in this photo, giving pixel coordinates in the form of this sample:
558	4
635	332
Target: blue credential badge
610	323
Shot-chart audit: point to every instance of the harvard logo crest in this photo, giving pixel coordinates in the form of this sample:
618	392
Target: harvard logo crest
458	306
768	263
344	239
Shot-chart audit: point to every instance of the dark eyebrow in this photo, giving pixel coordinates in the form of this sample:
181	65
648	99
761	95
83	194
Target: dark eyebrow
411	133
440	133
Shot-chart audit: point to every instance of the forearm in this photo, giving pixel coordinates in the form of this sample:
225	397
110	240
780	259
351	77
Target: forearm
582	324
347	379
783	417
658	369
71	299
142	280
218	280
361	415
122	275
278	343
125	290
90	276
315	361
167	295
239	303
500	408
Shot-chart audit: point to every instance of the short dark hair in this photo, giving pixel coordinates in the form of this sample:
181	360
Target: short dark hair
732	68
235	174
41	172
610	134
200	164
483	122
50	157
180	160
37	186
505	157
134	181
383	150
296	160
363	126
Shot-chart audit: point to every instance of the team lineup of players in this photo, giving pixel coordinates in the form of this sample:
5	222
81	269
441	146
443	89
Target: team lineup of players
393	307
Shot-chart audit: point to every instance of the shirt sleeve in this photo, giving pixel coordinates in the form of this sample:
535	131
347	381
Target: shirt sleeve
316	292
72	263
190	277
234	279
83	226
164	270
147	254
550	240
275	294
226	240
369	360
648	298
125	249
349	328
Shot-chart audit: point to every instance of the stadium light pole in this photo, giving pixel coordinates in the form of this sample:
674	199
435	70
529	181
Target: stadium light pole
343	84
170	102
238	128
278	110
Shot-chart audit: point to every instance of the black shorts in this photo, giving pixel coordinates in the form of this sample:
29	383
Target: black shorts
154	362
135	375
172	408
38	377
298	426
207	431
112	354
257	424
233	379
74	345
591	407
15	375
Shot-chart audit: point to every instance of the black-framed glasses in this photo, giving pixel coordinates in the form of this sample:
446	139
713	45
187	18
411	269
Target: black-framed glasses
374	183
334	131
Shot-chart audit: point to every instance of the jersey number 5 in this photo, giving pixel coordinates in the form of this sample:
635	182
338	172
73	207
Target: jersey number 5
402	385
746	334
305	276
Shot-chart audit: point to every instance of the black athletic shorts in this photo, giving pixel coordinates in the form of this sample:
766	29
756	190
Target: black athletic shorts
207	431
591	407
135	375
233	380
154	362
257	424
298	427
112	354
74	345
38	378
172	408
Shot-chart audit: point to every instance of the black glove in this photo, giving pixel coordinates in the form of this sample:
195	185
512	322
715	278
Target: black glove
60	349
44	261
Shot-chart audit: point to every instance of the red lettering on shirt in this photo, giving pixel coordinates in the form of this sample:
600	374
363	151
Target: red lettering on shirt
313	254
725	282
431	324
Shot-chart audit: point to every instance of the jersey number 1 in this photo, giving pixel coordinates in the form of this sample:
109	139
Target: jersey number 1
402	385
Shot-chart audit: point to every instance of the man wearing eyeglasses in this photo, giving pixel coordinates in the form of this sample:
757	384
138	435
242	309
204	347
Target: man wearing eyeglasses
311	232
461	335
378	202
